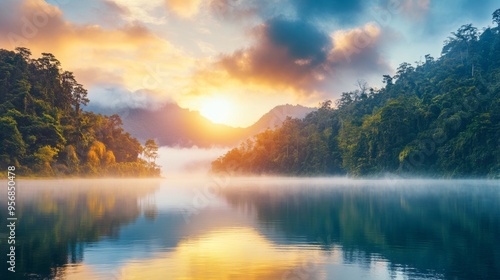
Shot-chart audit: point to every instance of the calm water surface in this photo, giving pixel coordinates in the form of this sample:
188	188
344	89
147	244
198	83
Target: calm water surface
255	228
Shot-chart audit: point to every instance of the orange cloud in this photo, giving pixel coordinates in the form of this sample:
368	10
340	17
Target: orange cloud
130	56
184	8
358	48
295	55
134	10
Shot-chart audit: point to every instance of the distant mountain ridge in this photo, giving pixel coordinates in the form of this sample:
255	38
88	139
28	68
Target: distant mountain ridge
172	125
276	117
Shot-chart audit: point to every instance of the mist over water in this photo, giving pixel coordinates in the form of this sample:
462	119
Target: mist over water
187	161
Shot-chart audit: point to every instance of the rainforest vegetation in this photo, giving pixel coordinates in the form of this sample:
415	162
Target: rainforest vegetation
45	132
438	117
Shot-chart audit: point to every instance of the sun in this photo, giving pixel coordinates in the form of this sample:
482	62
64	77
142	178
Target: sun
216	109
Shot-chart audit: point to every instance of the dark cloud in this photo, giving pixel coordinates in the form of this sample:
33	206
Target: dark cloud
340	9
301	40
287	54
295	54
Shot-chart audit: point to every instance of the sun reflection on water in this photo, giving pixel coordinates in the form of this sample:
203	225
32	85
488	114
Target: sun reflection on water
228	253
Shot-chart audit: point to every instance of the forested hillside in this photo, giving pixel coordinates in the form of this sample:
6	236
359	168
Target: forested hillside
440	117
45	132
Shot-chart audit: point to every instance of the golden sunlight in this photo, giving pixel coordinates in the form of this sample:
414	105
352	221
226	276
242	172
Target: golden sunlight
230	253
217	110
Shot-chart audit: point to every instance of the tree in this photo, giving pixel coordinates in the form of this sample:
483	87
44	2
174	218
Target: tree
79	98
387	79
12	146
44	158
496	17
150	153
24	52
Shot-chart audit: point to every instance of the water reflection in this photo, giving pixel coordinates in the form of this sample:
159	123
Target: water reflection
258	229
438	229
231	253
57	219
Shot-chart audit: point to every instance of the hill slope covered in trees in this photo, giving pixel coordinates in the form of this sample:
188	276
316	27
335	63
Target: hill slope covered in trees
44	131
438	118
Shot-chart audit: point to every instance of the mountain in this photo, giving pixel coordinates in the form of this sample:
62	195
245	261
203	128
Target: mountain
276	116
172	125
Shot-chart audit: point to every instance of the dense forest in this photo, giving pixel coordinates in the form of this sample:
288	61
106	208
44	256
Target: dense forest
45	132
440	118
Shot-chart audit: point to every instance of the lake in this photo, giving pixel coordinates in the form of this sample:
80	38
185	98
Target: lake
254	228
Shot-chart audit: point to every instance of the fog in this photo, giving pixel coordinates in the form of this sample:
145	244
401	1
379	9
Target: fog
192	161
195	161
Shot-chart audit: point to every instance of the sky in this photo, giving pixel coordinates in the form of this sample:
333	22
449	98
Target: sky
232	60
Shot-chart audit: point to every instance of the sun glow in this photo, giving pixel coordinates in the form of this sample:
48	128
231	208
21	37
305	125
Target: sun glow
217	110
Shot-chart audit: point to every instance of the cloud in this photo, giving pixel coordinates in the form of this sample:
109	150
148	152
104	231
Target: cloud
115	98
21	21
359	49
151	11
296	54
408	9
113	7
301	40
243	9
287	53
416	9
425	19
130	56
340	9
184	8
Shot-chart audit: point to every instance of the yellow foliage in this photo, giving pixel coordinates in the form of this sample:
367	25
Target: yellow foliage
95	205
92	158
109	158
99	148
97	154
46	154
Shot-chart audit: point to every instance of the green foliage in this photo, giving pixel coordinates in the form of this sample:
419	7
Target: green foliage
440	118
45	132
43	159
12	146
